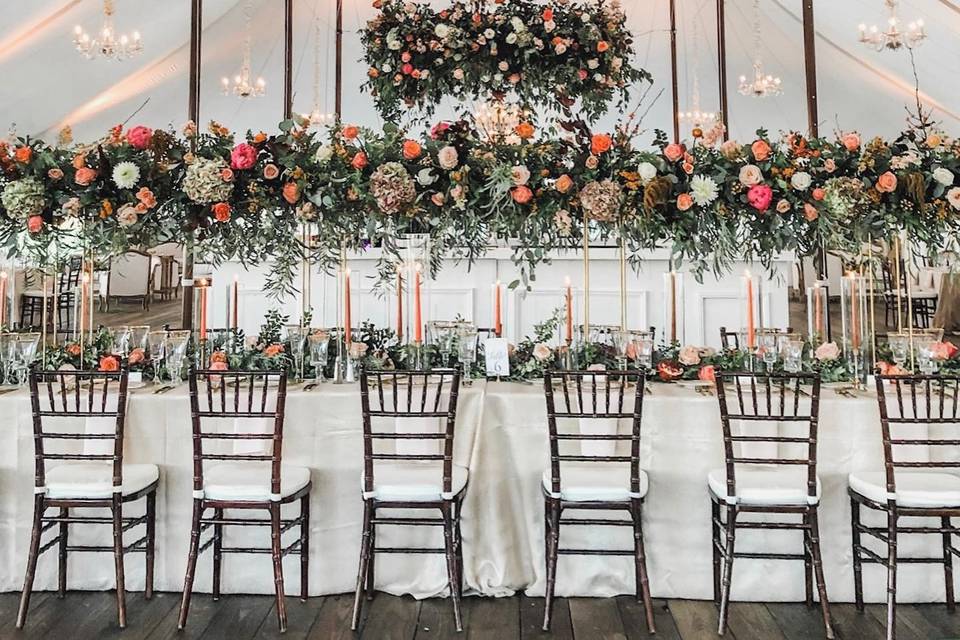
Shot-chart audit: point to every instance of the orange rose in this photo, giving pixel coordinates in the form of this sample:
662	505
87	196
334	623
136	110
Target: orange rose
23	154
600	143
707	373
272	350
351	131
547	14
372	72
291	192
525	130
109	363
411	150
673	151
359	160
887	183
260	137
684	201
146	198
818	194
73	349
564	183
218	356
84	176
810	212
851	141
602	46
79	160
221	211
760	150
136	356
521	194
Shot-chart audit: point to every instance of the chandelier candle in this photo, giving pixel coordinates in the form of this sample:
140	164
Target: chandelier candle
203	309
853	302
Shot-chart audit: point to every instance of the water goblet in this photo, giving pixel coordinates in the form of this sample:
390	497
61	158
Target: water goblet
621	342
26	353
157	343
319	346
899	347
119	340
296	337
767	349
793	356
925	358
467	336
176	352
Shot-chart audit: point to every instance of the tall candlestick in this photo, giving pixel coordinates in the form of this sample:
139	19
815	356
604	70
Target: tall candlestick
673	306
417	311
236	300
3	298
347	311
568	296
751	330
497	323
399	304
203	309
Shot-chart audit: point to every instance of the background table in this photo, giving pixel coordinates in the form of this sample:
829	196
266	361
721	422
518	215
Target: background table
502	437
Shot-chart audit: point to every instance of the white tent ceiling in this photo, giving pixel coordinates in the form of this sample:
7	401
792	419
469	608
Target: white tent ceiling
44	83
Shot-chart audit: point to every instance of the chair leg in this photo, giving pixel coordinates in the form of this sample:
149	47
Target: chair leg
117	510
371	577
191	562
814	537
731	530
640	563
305	547
38	508
62	558
451	555
552	505
715	531
459	540
366	551
217	553
948	565
892	573
807	562
857	561
151	543
276	554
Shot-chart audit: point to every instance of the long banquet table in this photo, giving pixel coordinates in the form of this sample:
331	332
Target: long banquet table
502	437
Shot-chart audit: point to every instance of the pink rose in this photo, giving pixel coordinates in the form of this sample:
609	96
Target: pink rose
830	165
438	199
818	194
851	141
226	174
887	182
35	224
139	137
810	212
84	176
759	196
760	150
707	373
243	156
827	351
673	151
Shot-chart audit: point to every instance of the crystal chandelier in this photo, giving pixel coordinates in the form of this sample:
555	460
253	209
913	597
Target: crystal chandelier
106	43
894	37
317	116
243	85
696	117
762	85
497	121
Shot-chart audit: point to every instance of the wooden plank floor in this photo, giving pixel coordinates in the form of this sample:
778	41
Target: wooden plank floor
93	615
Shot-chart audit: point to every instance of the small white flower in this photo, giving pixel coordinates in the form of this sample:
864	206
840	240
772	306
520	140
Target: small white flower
324	153
703	189
394	45
953	197
503	65
126	175
593	63
521	175
127	215
387	67
943	176
441	31
489	34
517	24
425	177
646	171
800	181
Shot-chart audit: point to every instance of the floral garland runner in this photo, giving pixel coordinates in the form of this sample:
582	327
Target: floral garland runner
710	203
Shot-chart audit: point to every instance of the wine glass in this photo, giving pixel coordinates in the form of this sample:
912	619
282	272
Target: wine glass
176	352
441	333
767	348
793	356
925	358
319	345
296	337
119	340
468	350
8	347
157	343
899	347
26	353
137	336
643	350
621	342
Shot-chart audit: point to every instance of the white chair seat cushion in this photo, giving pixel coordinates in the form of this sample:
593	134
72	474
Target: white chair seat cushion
414	482
595	482
250	481
765	485
94	480
914	489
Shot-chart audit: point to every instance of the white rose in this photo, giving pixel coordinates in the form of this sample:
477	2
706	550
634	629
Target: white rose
943	176
387	67
425	177
801	181
448	157
324	153
441	31
616	63
520	175
953	197
593	63
511	38
647	172
549	26
541	352
750	175
517	24
394	45
503	66
489	34
127	215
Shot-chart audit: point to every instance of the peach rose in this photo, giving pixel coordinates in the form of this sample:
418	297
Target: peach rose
684	201
707	373
525	130
783	205
689	356
411	150
760	150
136	356
350	132
23	154
602	46
830	165
600	143
851	141
438	199
109	363
270	172
888	369
84	176
810	212
827	351
146	198
943	350
73	349
55	174
221	211
818	194
750	174
673	151
359	160
273	350
219	366
218	356
521	194
35	224
542	352
291	192
887	182
79	160
730	149
564	183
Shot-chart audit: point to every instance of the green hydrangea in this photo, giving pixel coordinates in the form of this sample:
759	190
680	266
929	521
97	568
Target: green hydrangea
203	182
23	198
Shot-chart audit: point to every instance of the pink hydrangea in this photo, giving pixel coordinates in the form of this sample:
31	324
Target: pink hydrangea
760	196
139	137
243	156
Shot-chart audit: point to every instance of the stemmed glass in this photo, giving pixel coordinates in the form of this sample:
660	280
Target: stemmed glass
793	356
621	342
157	343
441	334
467	336
899	347
767	343
642	349
138	336
176	352
925	358
319	345
26	353
119	340
8	350
296	336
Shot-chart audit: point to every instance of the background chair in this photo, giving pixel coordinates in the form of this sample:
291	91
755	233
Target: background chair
766	472
93	478
31	300
128	279
596	478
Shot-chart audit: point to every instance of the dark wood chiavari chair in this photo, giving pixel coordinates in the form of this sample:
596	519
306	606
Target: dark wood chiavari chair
93	478
249	477
31	302
782	482
912	484
410	480
729	339
593	481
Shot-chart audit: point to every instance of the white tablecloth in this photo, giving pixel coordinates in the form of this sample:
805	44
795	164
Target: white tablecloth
501	436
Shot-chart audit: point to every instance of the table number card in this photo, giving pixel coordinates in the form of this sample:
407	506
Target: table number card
497	357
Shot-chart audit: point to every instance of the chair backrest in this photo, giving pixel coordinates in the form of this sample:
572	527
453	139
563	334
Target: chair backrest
69	277
593	396
400	395
918	413
129	275
247	400
762	399
729	339
58	397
